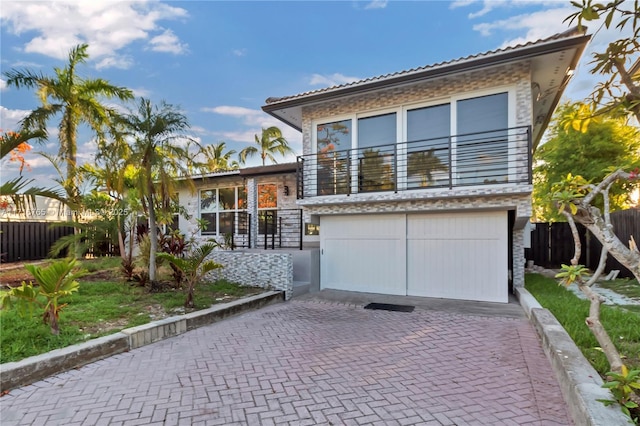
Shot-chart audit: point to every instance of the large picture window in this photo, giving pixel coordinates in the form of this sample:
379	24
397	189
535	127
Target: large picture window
482	144
333	145
221	209
428	131
460	142
376	138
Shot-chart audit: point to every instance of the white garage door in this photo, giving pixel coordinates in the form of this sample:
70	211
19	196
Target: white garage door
364	253
455	256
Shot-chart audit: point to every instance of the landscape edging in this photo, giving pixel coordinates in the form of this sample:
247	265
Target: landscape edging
38	367
580	383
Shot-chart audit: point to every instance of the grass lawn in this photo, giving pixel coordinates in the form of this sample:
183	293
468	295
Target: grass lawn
103	305
623	325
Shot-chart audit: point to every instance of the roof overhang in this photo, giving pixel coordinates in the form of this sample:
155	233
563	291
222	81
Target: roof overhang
271	169
552	63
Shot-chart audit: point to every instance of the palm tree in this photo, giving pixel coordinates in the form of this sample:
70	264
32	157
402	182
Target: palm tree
217	159
73	98
154	130
270	142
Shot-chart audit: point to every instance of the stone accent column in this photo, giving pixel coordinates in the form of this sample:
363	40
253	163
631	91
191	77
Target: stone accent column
252	209
518	257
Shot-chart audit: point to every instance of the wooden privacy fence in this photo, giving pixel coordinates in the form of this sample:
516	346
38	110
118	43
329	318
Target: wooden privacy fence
552	244
28	240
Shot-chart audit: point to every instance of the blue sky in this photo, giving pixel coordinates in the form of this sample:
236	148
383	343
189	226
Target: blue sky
219	60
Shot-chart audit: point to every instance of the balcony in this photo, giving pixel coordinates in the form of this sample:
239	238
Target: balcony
497	157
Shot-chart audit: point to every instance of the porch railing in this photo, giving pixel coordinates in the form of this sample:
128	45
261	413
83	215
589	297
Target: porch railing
500	156
280	229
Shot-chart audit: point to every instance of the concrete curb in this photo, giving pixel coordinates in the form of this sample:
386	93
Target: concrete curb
580	383
32	369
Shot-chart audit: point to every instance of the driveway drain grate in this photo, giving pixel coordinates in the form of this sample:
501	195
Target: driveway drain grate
390	307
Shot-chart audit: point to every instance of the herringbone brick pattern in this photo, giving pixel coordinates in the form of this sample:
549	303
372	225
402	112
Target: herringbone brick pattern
312	363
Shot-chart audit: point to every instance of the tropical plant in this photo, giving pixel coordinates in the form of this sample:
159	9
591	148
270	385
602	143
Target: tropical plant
269	143
154	130
54	282
76	101
623	385
620	92
217	159
194	267
607	140
118	196
175	244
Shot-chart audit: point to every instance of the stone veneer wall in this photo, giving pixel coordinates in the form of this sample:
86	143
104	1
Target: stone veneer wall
260	269
520	202
189	200
517	75
507	197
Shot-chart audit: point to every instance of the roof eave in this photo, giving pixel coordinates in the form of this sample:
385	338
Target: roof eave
574	64
429	73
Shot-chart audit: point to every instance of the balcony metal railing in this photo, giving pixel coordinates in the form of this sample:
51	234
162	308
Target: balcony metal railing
487	158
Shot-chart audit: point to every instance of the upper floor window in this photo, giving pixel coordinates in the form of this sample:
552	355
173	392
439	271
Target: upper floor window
428	131
333	142
461	142
376	137
482	142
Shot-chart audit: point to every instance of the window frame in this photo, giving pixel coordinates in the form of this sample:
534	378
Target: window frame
402	125
218	211
262	228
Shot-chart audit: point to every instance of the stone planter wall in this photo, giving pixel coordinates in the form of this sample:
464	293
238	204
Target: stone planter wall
260	269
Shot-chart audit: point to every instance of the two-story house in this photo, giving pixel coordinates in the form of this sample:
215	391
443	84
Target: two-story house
420	180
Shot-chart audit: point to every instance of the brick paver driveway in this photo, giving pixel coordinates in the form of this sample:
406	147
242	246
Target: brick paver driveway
312	362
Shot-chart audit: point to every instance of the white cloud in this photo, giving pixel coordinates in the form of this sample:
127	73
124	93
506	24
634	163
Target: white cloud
122	62
141	92
234	111
545	22
25	64
536	26
107	27
10	118
239	52
461	3
3	85
254	121
331	80
376	4
168	42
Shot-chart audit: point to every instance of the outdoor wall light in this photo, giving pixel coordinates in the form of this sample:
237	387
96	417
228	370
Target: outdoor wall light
286	190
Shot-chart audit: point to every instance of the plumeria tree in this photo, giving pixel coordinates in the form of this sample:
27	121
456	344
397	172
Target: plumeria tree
18	190
618	95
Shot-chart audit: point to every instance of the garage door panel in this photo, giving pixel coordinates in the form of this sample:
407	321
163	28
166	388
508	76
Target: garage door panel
364	255
456	270
462	256
452	255
458	226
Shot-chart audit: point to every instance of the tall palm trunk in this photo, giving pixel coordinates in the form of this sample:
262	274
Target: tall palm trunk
153	231
71	184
